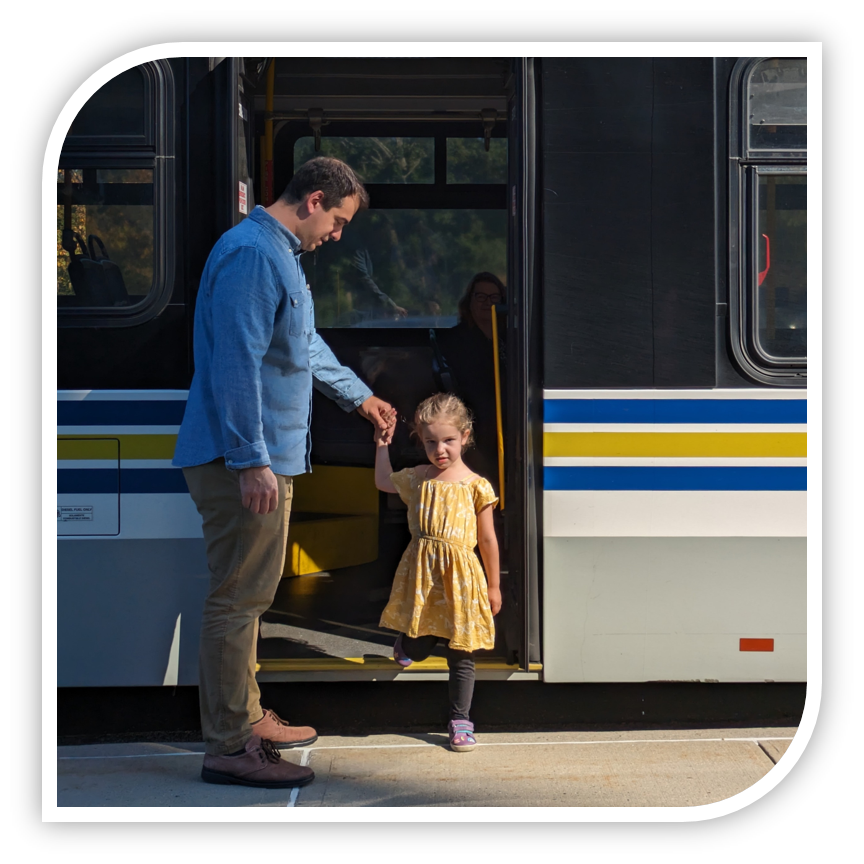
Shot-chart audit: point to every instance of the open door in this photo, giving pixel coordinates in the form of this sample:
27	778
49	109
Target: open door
524	456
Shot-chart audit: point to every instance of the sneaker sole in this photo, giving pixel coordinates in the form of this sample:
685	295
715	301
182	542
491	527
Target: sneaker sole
209	776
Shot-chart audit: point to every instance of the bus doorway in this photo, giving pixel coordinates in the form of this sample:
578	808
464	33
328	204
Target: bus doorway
431	140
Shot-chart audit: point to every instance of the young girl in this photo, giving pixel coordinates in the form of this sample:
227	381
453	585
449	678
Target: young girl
439	591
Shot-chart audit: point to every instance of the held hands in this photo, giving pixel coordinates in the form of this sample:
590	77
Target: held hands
381	414
384	437
259	490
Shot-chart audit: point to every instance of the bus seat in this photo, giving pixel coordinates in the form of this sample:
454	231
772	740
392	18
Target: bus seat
334	520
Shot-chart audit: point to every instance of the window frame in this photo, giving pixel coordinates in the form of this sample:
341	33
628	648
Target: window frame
156	151
745	166
438	195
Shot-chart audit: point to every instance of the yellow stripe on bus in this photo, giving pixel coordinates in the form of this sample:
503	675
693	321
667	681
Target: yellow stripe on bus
791	444
131	446
338	664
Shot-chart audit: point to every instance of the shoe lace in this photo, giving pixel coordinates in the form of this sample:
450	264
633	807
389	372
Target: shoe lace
271	752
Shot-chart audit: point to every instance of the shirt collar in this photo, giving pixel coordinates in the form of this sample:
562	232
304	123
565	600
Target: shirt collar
260	215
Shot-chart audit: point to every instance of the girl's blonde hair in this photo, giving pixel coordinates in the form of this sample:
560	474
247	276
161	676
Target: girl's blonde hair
445	406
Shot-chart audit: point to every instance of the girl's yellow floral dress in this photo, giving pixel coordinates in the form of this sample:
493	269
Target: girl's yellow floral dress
439	588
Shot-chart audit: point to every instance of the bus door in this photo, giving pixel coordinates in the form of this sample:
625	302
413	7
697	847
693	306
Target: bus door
386	300
521	323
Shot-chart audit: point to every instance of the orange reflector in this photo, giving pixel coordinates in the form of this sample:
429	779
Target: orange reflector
756	645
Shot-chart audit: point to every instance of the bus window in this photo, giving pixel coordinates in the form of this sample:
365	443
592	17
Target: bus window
115	194
768	201
377	159
777	105
104	236
404	268
781	279
469	162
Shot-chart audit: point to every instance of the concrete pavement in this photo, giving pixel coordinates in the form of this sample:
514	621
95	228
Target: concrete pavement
550	769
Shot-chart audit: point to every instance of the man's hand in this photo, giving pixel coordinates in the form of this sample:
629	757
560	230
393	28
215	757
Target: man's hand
378	412
259	490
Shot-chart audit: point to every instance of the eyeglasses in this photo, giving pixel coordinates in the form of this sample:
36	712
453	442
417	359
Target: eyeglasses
487	299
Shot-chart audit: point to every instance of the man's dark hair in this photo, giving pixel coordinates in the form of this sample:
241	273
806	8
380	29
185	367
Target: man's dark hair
332	177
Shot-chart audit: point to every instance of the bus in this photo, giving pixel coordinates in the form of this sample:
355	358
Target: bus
641	409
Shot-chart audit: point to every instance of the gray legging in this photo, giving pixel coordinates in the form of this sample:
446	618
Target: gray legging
461	665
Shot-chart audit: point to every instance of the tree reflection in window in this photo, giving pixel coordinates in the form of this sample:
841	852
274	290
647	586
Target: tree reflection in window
421	261
114	206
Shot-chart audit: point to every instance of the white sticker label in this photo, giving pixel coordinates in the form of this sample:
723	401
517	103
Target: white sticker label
241	203
77	513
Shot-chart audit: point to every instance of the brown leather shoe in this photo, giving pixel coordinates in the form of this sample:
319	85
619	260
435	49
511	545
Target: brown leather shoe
275	729
261	765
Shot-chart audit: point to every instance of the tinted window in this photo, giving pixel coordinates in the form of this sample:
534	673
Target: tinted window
781	277
104	236
777	105
469	162
404	268
118	109
376	159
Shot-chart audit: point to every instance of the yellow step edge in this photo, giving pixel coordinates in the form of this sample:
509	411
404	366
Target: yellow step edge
340	664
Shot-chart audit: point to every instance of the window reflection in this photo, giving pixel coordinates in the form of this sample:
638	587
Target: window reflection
404	268
777	105
376	159
104	236
469	162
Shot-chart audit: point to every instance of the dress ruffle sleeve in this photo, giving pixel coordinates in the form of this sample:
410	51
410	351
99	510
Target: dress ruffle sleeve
484	494
402	481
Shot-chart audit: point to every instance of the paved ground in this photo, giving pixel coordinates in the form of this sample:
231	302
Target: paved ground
552	769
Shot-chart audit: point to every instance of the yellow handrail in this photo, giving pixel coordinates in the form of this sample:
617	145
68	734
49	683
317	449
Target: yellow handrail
498	409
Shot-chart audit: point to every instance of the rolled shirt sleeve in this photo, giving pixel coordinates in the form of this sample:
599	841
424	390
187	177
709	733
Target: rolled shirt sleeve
243	303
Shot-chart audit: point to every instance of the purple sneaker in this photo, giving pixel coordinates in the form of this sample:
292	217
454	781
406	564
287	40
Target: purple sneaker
399	655
461	735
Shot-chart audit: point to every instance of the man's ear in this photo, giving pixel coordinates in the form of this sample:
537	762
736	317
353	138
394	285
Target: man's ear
314	199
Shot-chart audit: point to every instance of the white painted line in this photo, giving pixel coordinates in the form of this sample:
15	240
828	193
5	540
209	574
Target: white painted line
172	670
304	761
310	750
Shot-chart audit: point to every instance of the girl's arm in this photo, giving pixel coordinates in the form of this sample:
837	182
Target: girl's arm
383	468
488	543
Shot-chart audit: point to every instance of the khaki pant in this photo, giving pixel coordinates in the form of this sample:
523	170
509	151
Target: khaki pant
245	554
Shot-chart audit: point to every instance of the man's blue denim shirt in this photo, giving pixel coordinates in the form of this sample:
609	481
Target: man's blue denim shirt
257	356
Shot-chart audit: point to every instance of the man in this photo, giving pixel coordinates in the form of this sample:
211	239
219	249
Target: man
244	435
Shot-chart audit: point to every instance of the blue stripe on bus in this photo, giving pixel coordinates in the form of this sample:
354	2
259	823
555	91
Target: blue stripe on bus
675	411
121	413
675	478
87	480
153	480
135	480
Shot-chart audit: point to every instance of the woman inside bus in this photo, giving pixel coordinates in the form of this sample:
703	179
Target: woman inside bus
467	349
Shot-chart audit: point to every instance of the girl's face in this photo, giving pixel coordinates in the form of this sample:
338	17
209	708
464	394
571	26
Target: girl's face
443	443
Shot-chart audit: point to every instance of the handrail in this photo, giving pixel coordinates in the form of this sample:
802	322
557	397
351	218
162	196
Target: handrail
498	408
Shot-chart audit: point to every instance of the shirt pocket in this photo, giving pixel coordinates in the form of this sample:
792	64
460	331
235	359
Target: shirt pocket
297	301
